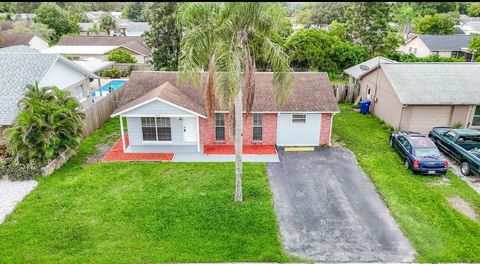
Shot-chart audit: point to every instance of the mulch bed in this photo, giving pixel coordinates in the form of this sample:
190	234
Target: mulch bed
117	154
249	149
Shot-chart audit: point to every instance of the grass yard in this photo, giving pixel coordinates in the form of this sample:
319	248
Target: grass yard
141	212
438	232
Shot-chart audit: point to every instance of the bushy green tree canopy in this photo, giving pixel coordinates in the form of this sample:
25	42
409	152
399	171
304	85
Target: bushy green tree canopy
474	47
49	123
437	24
474	10
134	11
56	18
39	29
121	56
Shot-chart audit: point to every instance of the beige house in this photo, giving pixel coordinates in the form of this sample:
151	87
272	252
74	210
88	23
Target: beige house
420	96
9	39
455	46
98	47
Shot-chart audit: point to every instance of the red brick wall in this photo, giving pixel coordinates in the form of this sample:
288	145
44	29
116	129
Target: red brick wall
325	129
207	130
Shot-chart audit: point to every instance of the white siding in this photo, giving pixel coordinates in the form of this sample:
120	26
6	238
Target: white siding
62	76
415	44
38	43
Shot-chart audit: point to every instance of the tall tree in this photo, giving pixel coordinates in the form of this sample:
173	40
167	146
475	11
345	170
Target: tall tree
437	24
107	23
474	10
218	38
474	47
368	23
164	34
56	18
327	12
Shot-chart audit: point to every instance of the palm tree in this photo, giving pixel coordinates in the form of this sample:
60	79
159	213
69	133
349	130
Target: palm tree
49	123
223	39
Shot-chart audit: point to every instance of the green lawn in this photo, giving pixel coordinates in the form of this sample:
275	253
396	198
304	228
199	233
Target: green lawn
142	212
438	232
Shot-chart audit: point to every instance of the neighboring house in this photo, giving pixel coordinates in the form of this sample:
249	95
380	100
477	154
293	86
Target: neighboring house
443	45
27	39
86	27
458	30
164	117
471	27
420	96
133	28
20	17
20	65
465	19
98	47
355	73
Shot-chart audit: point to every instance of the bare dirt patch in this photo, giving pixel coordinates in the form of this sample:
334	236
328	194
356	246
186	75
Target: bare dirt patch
463	206
443	182
102	149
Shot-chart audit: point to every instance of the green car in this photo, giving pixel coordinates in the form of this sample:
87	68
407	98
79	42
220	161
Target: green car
463	145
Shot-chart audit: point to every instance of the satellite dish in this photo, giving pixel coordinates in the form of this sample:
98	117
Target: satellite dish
364	67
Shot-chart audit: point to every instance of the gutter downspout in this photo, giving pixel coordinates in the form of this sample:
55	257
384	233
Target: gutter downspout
401	117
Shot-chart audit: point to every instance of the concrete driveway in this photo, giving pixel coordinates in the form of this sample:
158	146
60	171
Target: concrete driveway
329	211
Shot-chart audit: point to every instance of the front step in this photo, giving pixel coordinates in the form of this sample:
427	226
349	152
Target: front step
286	149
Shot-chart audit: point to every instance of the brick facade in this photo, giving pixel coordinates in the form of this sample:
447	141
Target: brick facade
207	131
325	128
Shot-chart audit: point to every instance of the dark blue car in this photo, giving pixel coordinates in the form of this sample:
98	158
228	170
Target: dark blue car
419	153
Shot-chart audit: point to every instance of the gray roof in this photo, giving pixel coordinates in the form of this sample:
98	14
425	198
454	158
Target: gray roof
458	30
138	27
356	72
446	42
473	26
19	66
435	83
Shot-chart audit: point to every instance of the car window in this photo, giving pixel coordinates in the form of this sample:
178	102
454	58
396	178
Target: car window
402	140
408	146
450	135
427	152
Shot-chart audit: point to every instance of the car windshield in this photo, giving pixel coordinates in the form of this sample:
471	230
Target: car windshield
427	152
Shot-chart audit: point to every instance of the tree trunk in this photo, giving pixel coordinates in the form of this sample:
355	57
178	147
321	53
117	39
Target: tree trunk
238	145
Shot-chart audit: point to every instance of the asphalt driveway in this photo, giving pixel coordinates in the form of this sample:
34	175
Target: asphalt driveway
329	210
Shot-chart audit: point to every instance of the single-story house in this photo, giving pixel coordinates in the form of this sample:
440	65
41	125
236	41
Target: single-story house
165	117
455	46
82	47
133	28
27	39
356	72
420	96
472	27
20	65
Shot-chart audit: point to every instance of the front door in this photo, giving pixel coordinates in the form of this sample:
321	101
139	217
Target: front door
190	129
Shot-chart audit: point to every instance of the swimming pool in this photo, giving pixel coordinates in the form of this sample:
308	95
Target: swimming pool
104	90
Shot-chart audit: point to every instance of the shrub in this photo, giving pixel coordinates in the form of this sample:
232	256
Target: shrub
121	56
111	73
49	123
19	172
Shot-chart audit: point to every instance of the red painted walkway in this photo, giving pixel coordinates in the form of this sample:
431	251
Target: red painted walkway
116	154
230	149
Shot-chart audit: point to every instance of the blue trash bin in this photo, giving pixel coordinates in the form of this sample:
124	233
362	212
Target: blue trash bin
364	106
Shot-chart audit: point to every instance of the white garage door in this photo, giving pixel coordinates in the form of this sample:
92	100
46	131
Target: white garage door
424	118
298	129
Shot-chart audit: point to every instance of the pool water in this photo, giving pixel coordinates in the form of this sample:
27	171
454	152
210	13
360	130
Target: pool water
104	90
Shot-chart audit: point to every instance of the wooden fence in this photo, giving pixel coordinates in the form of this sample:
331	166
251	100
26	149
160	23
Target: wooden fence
99	112
346	93
124	67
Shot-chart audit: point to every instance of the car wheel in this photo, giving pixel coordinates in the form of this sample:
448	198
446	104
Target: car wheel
406	164
465	168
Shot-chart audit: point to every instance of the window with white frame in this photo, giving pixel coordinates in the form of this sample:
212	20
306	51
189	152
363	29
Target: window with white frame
156	129
410	49
299	119
219	126
258	126
79	92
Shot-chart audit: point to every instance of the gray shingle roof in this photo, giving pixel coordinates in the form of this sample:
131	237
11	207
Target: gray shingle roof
131	42
356	72
17	70
12	38
435	83
19	66
446	42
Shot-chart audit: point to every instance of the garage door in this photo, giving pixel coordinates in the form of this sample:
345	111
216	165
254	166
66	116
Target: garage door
298	129
424	118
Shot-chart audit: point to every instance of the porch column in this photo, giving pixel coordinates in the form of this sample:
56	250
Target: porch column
198	134
121	130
